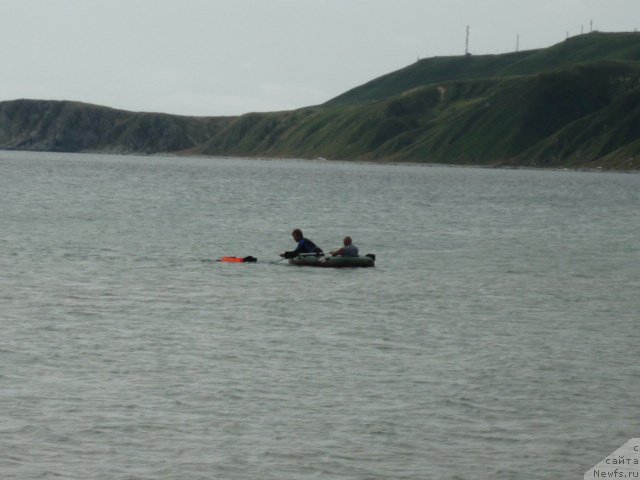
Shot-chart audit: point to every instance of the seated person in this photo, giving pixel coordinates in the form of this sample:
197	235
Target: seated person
304	245
349	249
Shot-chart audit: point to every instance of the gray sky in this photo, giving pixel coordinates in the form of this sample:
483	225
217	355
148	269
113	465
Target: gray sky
215	57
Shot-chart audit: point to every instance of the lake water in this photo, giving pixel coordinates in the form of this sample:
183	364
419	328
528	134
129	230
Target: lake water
496	338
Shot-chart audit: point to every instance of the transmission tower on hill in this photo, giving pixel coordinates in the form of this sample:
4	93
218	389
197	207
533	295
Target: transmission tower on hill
466	46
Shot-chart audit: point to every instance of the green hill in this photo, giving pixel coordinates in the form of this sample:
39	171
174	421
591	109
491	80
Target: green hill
575	104
587	115
589	48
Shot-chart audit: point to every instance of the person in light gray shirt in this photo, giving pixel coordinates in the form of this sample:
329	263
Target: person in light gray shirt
349	249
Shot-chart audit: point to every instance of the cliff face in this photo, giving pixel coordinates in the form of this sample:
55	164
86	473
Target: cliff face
74	127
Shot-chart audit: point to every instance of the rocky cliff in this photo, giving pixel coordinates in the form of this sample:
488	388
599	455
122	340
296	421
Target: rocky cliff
60	126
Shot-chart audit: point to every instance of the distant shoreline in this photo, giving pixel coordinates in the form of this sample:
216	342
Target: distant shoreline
326	160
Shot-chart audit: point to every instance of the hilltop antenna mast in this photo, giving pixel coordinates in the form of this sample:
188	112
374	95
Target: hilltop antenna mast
517	43
466	46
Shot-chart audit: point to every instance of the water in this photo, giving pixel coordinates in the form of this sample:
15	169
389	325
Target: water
497	336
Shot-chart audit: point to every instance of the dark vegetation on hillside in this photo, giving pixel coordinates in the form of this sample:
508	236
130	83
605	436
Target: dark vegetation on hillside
576	104
76	127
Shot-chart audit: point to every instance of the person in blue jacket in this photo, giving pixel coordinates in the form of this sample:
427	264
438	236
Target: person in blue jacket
304	245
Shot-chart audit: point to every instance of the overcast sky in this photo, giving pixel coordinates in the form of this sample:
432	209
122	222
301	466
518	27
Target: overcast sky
228	57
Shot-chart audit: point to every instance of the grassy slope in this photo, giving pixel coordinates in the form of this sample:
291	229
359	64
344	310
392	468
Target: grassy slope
582	49
577	116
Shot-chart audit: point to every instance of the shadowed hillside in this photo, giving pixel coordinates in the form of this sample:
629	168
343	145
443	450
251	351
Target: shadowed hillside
575	104
76	127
